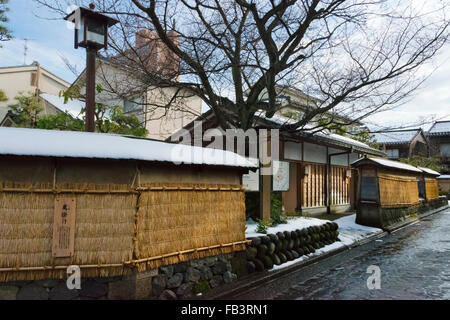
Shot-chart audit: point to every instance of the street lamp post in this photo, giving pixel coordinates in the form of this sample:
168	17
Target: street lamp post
91	33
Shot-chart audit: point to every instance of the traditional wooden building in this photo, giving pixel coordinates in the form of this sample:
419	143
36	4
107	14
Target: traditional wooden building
313	173
444	184
403	143
389	191
428	184
113	204
439	136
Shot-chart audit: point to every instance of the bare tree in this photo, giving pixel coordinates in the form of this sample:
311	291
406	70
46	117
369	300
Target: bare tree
357	57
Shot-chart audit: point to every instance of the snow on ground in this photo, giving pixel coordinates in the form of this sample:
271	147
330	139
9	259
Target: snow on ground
293	224
349	234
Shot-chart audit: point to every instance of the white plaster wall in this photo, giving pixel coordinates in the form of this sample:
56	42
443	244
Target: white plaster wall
314	153
340	160
292	150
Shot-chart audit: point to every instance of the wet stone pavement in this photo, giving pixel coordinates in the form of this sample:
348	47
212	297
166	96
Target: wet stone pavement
414	264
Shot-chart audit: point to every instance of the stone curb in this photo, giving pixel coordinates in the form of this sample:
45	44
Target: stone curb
410	221
253	281
250	282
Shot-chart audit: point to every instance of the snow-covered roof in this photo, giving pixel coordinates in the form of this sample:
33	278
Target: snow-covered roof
429	171
325	135
396	137
53	143
440	128
389	164
73	107
444	176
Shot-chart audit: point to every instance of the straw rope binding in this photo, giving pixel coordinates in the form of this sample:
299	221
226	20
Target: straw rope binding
118	227
431	189
398	191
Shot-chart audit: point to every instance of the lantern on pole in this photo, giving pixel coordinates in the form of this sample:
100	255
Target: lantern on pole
91	33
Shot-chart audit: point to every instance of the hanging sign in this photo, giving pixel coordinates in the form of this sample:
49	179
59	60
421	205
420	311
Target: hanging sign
64	227
280	176
250	181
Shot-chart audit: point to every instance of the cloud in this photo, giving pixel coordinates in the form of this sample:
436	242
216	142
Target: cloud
432	99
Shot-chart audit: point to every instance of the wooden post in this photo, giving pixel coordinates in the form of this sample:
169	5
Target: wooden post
90	89
265	189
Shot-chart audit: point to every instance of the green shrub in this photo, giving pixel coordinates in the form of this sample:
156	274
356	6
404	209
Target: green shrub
202	287
262	226
277	215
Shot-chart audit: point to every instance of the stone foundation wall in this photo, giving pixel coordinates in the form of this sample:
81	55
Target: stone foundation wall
433	204
374	216
183	280
390	216
179	281
275	249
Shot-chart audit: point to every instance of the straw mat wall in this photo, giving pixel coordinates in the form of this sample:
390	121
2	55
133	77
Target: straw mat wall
103	231
210	219
398	191
118	227
431	189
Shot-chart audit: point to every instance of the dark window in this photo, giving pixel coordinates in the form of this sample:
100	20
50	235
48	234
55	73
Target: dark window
421	184
369	190
133	104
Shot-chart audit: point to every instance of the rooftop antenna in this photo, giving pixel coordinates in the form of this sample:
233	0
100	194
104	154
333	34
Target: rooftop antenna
25	50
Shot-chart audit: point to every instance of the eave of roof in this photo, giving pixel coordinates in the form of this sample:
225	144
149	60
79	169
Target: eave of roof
429	171
398	141
87	145
439	133
330	139
388	164
31	66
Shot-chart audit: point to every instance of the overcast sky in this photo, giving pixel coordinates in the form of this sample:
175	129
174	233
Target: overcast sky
51	39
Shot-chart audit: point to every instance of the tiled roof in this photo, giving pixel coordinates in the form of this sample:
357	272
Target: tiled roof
396	137
73	107
326	136
440	128
389	164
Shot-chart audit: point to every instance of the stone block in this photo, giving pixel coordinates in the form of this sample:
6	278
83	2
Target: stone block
216	281
168	295
219	267
175	281
192	275
8	292
185	290
61	292
167	270
206	273
124	289
159	283
227	277
93	289
32	292
180	267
